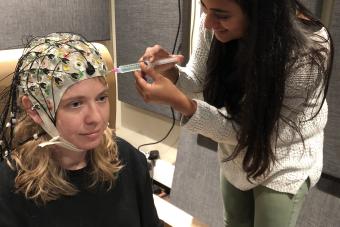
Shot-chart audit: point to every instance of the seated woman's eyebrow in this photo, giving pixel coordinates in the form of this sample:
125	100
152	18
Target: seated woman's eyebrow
80	97
105	91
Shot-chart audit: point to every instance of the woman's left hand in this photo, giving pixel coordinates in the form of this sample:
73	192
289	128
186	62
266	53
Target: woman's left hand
162	90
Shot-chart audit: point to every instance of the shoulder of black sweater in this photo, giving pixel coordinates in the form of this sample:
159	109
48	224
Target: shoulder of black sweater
128	153
135	161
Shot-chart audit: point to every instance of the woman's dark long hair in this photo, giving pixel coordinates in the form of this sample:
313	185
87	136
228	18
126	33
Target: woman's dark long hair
248	76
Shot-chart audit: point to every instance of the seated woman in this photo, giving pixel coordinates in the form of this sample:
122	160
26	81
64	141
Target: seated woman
62	164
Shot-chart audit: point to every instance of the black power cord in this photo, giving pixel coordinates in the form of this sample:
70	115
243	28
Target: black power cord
172	110
153	155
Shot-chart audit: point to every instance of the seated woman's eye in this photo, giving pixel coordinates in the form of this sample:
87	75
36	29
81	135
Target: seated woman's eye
103	98
75	104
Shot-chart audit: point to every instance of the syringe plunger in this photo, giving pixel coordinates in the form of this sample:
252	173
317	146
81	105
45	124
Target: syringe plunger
136	66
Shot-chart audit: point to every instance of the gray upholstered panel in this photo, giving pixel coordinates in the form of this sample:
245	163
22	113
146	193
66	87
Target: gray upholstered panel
322	205
332	132
23	18
196	186
144	23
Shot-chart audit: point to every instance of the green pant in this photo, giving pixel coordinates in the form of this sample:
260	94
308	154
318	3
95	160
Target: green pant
261	206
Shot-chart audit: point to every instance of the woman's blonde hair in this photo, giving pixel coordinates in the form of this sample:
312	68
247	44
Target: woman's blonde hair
42	179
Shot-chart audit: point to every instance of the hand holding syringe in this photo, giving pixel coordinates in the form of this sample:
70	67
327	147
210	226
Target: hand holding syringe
136	66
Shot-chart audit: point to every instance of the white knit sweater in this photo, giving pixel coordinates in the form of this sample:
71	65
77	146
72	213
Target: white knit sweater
296	161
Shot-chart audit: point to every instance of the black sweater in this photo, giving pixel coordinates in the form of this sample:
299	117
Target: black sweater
128	204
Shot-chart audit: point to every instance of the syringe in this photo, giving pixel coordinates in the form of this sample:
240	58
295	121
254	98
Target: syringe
136	66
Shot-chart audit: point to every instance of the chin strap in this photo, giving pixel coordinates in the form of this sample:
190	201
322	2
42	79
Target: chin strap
56	139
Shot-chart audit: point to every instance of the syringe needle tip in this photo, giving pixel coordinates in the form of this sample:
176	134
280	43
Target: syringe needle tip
115	70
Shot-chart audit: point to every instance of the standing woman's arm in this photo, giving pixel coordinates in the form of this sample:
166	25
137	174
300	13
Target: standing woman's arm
191	77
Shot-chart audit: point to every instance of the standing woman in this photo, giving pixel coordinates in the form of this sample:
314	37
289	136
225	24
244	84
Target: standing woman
263	67
62	165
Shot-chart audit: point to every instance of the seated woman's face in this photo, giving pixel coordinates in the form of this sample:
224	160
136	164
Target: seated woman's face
83	113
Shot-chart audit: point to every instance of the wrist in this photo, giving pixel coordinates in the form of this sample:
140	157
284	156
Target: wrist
185	106
191	109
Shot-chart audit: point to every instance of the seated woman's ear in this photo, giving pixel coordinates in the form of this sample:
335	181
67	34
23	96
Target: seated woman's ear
27	104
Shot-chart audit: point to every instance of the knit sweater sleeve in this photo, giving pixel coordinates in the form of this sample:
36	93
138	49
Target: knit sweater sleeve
208	120
191	77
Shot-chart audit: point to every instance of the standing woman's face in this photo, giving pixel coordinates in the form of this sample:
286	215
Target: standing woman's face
225	18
